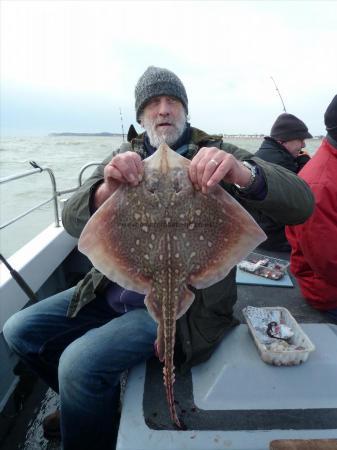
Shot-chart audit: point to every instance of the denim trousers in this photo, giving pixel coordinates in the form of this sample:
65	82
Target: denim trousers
82	358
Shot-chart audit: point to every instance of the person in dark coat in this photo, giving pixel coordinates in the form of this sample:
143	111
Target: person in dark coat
284	147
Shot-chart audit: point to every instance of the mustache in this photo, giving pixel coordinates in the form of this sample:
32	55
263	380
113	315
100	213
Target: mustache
163	122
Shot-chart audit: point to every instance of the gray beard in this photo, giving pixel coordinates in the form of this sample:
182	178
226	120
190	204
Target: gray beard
170	137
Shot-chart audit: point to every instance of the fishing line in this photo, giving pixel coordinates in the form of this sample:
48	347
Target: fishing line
279	94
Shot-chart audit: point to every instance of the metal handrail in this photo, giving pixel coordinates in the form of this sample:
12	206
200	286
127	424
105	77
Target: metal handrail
82	170
19	175
20	216
55	192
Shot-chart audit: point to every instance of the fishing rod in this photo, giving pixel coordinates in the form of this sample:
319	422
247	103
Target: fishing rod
279	93
120	114
19	280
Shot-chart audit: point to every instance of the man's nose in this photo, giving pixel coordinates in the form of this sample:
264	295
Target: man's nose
164	107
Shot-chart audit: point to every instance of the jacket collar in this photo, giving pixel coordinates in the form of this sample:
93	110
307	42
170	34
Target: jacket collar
331	141
271	141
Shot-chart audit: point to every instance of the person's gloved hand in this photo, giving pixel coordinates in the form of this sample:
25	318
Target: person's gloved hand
304	152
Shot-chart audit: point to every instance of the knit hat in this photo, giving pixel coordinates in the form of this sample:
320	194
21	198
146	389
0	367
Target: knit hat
288	127
330	118
156	81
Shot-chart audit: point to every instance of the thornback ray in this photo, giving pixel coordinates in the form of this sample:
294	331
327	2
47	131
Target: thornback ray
162	236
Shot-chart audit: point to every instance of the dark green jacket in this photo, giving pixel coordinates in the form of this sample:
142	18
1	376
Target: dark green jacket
288	199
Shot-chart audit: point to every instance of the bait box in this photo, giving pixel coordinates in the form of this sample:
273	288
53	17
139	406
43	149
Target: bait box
283	357
272	265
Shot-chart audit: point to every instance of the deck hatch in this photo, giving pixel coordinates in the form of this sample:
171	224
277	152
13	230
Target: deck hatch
199	411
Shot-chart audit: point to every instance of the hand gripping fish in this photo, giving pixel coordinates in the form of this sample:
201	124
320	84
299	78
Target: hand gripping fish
161	237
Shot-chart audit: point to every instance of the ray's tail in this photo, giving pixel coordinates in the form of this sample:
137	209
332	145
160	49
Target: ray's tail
169	378
165	351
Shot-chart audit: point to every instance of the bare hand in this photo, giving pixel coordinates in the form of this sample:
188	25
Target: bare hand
123	168
211	165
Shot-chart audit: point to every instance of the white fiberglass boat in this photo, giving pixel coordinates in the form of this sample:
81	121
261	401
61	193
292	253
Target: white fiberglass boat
234	401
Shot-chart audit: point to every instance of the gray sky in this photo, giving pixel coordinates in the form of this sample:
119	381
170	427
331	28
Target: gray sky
70	65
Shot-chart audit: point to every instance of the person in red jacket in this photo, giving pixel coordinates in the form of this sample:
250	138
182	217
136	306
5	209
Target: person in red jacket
314	243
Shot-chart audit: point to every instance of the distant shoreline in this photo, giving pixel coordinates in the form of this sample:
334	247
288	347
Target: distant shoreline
103	134
254	136
107	134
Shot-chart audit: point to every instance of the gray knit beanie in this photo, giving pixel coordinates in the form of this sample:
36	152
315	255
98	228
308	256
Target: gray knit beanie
288	127
330	118
157	81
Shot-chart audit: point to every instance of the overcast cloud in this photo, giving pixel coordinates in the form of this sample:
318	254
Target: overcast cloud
70	66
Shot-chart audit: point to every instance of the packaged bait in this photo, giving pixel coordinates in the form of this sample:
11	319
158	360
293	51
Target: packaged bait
279	338
264	266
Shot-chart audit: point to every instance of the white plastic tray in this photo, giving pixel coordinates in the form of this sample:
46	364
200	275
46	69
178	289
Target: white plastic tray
283	357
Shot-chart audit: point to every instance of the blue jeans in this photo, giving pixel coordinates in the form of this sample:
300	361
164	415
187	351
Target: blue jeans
82	358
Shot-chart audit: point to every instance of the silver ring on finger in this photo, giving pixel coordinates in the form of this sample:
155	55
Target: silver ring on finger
212	161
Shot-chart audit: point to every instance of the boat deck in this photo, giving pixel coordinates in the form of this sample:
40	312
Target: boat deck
24	431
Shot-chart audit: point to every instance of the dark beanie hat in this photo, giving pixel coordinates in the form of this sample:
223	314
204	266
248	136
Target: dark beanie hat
330	118
288	127
156	81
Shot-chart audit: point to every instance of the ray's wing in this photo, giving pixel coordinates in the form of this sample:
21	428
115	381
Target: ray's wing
218	229
229	235
101	242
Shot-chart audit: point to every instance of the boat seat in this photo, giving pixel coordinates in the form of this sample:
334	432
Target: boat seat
303	444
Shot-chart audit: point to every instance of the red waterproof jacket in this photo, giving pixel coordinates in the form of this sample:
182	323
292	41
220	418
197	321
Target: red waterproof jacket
314	243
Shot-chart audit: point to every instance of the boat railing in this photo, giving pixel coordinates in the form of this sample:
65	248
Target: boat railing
55	193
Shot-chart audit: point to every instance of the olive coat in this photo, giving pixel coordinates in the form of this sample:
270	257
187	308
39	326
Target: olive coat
200	329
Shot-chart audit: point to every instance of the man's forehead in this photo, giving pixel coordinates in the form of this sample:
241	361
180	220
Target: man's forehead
164	96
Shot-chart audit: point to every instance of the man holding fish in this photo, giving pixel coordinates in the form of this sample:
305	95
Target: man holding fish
81	340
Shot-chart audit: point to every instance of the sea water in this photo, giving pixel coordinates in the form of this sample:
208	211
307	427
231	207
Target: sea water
65	155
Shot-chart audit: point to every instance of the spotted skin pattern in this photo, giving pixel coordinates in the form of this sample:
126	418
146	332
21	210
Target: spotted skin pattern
160	237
